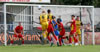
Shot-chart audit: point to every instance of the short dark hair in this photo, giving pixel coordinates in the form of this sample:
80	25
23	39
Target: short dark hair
48	10
58	20
19	22
43	11
77	16
72	15
53	17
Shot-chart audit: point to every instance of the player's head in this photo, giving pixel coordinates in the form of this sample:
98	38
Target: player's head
19	23
53	17
43	11
78	18
58	21
49	11
72	16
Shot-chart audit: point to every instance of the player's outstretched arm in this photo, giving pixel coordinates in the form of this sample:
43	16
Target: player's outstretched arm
68	22
55	22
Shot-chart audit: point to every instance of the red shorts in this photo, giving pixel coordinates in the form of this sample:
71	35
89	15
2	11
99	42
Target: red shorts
62	33
72	32
50	29
19	35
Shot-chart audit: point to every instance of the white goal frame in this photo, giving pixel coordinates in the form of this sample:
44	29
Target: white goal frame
5	24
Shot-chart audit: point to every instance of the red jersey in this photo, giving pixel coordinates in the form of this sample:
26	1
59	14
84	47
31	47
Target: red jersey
62	32
61	26
19	29
73	25
50	27
50	24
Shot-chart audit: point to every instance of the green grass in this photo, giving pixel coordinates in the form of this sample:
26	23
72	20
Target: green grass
47	48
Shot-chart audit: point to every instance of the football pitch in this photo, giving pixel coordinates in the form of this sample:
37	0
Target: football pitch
47	48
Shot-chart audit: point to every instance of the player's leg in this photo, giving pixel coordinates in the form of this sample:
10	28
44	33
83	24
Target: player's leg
22	40
70	37
44	32
75	38
48	37
45	37
62	36
12	41
79	36
52	31
73	33
56	32
54	36
60	40
21	36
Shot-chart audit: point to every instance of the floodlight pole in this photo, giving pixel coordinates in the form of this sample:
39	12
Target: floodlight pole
5	26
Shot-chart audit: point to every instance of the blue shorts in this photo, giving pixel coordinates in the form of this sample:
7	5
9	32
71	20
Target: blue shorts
56	32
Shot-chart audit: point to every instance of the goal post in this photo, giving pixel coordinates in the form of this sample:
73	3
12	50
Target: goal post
5	26
93	33
29	12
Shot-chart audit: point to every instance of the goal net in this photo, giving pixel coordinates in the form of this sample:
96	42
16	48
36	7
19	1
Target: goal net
28	15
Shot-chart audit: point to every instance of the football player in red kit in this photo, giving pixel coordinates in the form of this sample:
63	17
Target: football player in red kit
50	28
62	32
18	32
73	30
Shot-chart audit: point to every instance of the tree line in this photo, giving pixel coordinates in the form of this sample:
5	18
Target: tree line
95	3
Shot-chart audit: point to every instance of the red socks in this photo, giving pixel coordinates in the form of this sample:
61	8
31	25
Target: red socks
22	41
70	40
49	38
60	41
75	40
55	37
11	41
